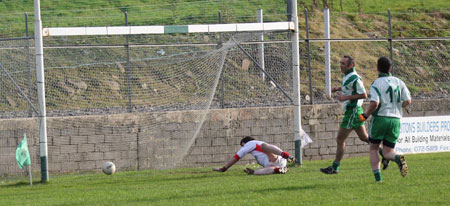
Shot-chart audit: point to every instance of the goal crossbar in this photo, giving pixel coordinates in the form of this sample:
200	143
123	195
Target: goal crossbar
196	28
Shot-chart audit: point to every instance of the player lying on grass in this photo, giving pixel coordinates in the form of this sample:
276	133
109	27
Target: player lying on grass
272	158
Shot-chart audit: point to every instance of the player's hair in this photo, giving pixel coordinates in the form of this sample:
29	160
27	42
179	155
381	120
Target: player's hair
247	139
350	60
383	64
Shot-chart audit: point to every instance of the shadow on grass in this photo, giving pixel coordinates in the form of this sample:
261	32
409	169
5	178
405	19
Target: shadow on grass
22	184
262	191
190	173
188	177
183	176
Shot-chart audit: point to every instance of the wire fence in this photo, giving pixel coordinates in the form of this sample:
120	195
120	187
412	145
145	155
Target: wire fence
425	58
87	13
422	64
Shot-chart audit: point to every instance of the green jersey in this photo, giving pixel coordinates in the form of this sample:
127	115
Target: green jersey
389	92
351	85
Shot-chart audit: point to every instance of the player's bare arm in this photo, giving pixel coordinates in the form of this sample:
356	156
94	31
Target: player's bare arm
228	165
406	103
335	89
352	97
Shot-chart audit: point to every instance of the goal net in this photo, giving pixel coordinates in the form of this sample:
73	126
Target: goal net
142	105
18	100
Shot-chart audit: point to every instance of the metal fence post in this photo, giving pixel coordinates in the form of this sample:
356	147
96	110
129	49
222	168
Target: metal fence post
308	50
390	40
326	18
127	47
289	10
222	86
259	16
27	53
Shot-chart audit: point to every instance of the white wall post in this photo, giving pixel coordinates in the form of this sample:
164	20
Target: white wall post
326	19
41	91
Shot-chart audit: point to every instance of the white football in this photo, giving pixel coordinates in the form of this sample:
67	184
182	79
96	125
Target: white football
109	168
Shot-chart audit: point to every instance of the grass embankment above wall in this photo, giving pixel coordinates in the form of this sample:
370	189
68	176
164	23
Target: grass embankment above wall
424	65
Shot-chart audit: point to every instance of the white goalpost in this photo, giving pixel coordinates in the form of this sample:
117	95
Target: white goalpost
299	134
187	80
43	147
135	30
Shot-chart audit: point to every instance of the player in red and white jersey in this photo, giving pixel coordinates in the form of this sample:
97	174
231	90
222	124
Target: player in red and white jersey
271	157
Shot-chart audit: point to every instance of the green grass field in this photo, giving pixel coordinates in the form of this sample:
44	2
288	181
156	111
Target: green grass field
427	183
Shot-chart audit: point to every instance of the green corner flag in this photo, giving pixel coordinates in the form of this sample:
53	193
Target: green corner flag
22	154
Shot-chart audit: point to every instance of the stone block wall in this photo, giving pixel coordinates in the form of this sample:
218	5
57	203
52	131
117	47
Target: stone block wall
162	140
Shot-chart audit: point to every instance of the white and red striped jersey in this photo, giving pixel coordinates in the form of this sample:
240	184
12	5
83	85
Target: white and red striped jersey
253	147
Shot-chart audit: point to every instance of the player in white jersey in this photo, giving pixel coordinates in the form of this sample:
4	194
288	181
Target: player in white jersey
388	96
272	158
353	95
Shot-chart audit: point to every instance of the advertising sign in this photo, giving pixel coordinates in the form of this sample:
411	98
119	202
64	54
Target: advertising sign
424	135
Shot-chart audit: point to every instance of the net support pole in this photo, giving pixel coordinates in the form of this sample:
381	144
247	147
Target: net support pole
127	48
222	79
390	40
27	53
326	19
259	16
30	175
296	83
41	91
29	166
308	50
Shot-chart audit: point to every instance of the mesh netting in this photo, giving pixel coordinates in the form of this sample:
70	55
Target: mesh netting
122	103
422	64
18	95
99	78
18	76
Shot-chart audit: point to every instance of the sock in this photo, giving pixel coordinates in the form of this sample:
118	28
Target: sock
397	159
276	170
380	151
285	155
336	165
377	174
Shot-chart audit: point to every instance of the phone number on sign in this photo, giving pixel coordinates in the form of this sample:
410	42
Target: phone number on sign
426	148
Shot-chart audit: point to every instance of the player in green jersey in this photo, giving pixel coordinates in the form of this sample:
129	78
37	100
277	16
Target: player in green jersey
388	96
352	95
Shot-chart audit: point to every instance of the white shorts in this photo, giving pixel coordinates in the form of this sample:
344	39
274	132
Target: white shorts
280	162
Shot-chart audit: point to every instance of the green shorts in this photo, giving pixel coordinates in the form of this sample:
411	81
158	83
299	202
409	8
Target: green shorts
385	129
351	118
